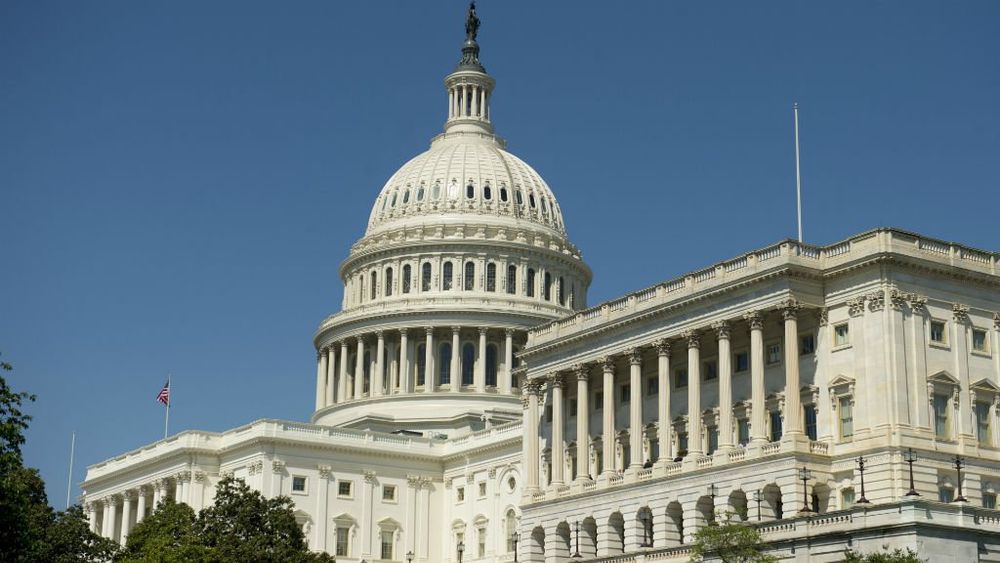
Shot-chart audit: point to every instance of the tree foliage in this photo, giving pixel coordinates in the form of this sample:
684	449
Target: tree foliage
897	555
168	535
730	541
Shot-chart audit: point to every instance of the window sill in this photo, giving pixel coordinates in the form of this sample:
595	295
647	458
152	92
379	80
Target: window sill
981	354
841	347
939	345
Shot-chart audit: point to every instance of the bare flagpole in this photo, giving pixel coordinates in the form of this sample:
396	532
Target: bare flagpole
798	176
69	481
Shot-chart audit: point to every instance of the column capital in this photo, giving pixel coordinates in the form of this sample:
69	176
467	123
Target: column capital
380	334
823	316
755	319
662	347
319	353
556	380
109	501
918	304
508	332
693	338
129	495
789	308
404	333
359	339
483	330
960	312
582	372
635	356
456	329
608	364
429	330
721	329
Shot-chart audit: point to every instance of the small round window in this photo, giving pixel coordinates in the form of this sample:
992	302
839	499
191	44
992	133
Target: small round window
487	192
511	483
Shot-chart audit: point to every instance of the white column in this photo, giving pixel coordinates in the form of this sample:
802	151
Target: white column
663	401
530	390
451	103
377	377
792	425
405	374
582	373
758	434
506	377
91	517
331	374
342	384
608	416
475	100
157	488
320	377
126	515
456	376
725	387
140	511
359	369
635	409
108	522
429	371
556	384
322	504
694	393
481	362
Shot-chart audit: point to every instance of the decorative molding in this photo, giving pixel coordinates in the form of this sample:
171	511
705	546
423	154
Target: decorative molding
200	476
897	299
755	319
608	364
634	356
226	473
369	477
960	312
277	466
721	329
918	303
556	380
876	300
693	338
491	473
663	346
856	306
129	495
823	316
582	372
789	308
255	467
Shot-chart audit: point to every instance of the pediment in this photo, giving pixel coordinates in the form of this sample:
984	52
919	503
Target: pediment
841	379
943	377
985	384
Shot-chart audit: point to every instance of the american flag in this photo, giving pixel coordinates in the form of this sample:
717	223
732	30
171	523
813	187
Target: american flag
164	395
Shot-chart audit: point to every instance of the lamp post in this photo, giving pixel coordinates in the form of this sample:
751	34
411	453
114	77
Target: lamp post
757	497
909	457
712	490
645	530
576	529
461	550
958	467
861	468
409	557
514	538
804	476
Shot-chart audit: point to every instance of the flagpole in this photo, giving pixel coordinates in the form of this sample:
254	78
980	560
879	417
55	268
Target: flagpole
798	177
166	421
69	481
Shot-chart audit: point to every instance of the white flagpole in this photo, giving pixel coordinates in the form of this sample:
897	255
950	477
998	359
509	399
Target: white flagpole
170	399
69	482
798	177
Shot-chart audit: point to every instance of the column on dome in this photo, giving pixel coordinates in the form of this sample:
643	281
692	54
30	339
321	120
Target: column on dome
456	356
342	388
451	103
758	434
507	378
529	399
405	381
320	377
556	384
475	101
792	425
359	369
608	416
582	373
331	374
429	371
725	387
693	338
377	384
635	409
663	401
480	375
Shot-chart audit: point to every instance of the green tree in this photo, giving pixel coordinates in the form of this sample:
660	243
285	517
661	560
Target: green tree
885	556
731	541
68	539
170	534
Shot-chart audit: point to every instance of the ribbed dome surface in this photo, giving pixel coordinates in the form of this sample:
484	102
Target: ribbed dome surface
466	174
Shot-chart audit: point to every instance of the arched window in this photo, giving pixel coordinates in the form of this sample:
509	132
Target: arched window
547	289
407	272
446	278
491	277
470	276
531	200
470	191
444	363
385	201
406	196
530	283
561	292
388	282
361	289
420	193
491	366
503	194
518	197
511	279
487	192
421	363
374	280
436	192
394	194
545	208
425	277
510	521
468	362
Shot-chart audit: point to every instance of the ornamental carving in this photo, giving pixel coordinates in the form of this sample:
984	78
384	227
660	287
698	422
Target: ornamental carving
634	356
789	308
897	299
256	467
369	477
960	312
693	338
721	329
918	304
414	481
876	300
556	381
856	307
663	347
199	476
183	476
277	466
491	473
755	319
325	471
226	474
129	495
823	316
608	364
582	372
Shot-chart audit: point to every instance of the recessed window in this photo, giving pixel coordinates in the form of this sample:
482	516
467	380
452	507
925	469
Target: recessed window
503	194
680	378
420	193
841	334
386	537
937	332
846	498
946	494
374	288
598	400
979	341
545	208
572	407
983	430
436	191
625	393
470	191
446	278
743	431
775	426
531	200
511	484
344	489
990	501
547	287
711	371
940	405
298	484
511	279
742	361
460	494
845	409
388	282
491	277
425	277
653	385
389	493
807	344
406	196
530	284
470	276
343	539
774	354
487	192
407	277
548	413
810	417
519	197
482	489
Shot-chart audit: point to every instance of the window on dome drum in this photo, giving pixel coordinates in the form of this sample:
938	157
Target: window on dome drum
845	408
420	193
436	192
444	363
491	365
503	194
470	191
531	200
487	192
388	282
393	204
545	207
530	284
741	361
470	276
979	341
807	344
941	422
406	196
361	289
561	292
421	363
547	288
511	279
374	280
407	273
491	277
468	362
425	277
937	332
983	430
518	197
775	426
810	413
446	278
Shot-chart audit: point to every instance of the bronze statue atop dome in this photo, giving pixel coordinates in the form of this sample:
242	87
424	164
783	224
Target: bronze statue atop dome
471	23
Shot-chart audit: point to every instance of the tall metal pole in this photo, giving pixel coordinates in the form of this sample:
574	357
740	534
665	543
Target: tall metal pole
798	176
69	481
861	468
170	399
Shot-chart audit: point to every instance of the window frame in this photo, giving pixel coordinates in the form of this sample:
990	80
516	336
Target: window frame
943	342
350	489
394	499
841	341
305	485
985	349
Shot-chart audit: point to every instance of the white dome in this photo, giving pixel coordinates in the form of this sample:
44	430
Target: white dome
463	174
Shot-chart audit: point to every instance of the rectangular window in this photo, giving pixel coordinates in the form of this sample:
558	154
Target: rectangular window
572	407
743	429
548	413
841	334
810	412
775	426
682	444
713	440
387	544
742	361
846	410
807	344
711	371
946	494
681	378
937	332
941	417
344	489
990	501
773	354
481	536
389	493
343	535
482	489
847	498
979	342
298	484
598	400
625	393
652	386
983	431
460	493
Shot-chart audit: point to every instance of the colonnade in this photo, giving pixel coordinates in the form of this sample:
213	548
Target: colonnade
468	100
404	361
113	516
690	342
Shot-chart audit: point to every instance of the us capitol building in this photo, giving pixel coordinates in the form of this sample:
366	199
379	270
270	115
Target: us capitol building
469	403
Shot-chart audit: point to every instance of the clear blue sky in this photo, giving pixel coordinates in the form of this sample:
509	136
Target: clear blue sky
180	180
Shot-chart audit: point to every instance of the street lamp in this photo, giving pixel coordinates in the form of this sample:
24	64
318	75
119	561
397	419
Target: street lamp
409	557
514	538
645	519
461	550
909	457
958	467
712	490
804	476
757	497
861	468
576	528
